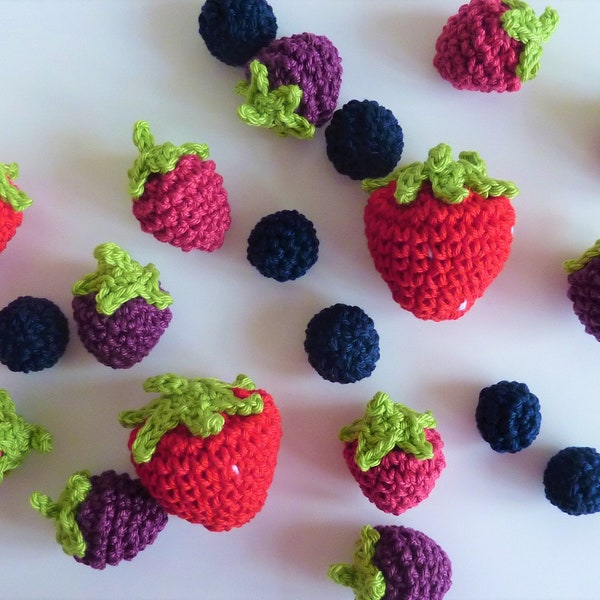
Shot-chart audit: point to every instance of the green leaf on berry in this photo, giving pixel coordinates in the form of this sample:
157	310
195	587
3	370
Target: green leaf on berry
9	193
576	264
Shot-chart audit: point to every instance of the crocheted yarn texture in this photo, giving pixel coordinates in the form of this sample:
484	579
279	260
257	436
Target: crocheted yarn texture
13	202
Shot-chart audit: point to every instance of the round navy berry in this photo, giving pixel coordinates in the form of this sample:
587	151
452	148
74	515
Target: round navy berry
364	140
342	343
283	245
235	30
508	416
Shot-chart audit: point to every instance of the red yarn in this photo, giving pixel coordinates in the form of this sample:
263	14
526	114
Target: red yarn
10	219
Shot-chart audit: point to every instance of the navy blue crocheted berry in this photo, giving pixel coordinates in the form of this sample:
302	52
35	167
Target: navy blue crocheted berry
508	416
572	480
364	140
283	245
235	30
342	343
34	334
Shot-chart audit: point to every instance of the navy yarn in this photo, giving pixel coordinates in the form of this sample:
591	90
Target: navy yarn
508	416
342	343
572	480
33	334
235	30
364	140
283	245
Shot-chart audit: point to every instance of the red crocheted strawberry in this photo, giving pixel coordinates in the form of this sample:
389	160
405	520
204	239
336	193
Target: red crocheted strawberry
493	45
394	453
439	232
206	449
12	203
178	196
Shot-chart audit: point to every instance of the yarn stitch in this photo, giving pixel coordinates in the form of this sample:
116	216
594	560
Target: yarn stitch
13	202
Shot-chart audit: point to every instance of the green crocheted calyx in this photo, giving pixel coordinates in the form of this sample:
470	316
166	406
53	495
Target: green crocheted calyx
521	23
64	511
570	266
156	159
199	404
272	109
119	279
365	579
385	426
18	199
451	180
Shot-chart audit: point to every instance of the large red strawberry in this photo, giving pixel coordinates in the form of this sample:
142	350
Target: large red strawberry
178	196
13	202
439	232
206	449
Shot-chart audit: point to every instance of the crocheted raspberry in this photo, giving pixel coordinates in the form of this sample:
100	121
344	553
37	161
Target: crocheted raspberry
120	310
178	196
103	519
439	232
294	84
394	453
493	45
205	449
235	30
364	139
13	202
34	334
393	562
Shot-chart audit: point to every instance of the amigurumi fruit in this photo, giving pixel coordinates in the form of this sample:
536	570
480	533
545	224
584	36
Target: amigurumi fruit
13	203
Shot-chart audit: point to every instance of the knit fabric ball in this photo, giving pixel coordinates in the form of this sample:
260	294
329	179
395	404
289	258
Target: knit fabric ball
342	343
34	334
508	416
235	30
572	480
364	139
283	245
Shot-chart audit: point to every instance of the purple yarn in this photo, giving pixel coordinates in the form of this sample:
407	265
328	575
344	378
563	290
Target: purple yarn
584	292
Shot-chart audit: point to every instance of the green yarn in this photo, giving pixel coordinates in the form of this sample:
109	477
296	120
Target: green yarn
273	109
521	23
118	279
570	266
452	180
199	404
18	199
153	158
365	579
64	510
385	426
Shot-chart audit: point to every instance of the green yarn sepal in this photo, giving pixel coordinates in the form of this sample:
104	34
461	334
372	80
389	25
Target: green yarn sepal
197	403
385	426
570	266
365	579
272	109
64	510
18	199
119	279
451	180
521	23
156	159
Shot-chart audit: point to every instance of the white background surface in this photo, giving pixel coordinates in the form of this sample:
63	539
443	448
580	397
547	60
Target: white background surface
75	77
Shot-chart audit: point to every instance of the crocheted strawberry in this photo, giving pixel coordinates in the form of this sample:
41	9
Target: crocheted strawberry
394	453
439	232
493	45
178	196
13	202
294	84
103	519
120	310
206	449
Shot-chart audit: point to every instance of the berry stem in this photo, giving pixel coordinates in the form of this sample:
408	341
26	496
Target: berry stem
570	266
18	199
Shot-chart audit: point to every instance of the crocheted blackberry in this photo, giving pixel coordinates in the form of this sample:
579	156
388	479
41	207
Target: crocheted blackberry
364	139
393	562
508	416
394	453
13	202
493	45
34	334
235	30
572	480
103	519
342	343
292	85
283	245
120	309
